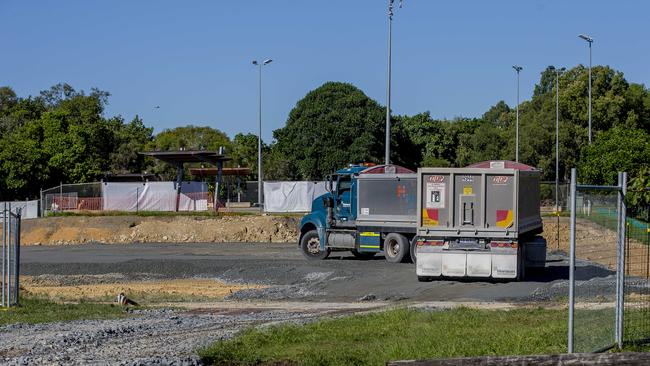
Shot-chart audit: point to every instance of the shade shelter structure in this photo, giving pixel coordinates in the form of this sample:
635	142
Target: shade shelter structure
237	172
181	157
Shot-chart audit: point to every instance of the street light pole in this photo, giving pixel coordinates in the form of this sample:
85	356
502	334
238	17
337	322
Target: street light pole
390	39
517	69
260	196
590	41
557	136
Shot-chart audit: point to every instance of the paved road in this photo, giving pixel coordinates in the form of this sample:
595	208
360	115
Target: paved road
340	278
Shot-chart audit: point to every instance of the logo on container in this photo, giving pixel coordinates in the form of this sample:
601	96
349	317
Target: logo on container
500	179
436	178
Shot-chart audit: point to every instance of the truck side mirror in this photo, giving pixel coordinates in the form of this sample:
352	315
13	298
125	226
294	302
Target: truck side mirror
328	202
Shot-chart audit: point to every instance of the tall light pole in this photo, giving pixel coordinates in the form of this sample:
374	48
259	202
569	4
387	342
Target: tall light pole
390	36
260	196
590	41
517	69
557	136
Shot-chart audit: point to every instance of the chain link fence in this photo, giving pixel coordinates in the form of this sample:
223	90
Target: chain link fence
595	252
609	278
130	197
10	283
637	275
548	191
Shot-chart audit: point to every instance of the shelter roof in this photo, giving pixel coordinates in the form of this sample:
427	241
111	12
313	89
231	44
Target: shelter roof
187	156
211	172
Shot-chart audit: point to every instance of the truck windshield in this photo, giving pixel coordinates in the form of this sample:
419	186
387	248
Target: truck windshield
344	184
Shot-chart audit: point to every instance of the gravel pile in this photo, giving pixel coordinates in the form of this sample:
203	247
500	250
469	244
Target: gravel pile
150	337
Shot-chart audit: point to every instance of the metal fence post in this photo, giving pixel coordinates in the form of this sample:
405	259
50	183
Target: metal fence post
572	258
620	269
619	272
8	280
4	254
17	259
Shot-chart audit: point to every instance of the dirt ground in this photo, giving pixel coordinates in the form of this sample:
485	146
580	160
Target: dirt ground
597	244
593	242
180	229
106	287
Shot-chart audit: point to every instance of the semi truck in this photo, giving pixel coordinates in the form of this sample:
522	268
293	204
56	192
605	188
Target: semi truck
479	221
367	210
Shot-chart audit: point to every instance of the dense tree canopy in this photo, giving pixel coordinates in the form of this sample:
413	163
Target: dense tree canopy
62	135
330	127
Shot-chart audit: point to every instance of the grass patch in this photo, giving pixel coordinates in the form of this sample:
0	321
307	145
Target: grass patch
37	310
376	338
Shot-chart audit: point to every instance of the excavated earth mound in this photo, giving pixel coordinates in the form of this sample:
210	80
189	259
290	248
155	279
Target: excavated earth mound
179	229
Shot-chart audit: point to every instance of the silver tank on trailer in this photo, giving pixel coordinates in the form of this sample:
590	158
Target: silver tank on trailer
479	221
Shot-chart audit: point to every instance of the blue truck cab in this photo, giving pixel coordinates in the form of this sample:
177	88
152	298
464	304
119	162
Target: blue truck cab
338	222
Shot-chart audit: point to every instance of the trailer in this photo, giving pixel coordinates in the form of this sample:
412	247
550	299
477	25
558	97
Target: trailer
481	221
367	210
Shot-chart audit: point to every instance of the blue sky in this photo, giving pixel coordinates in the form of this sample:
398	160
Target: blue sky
193	58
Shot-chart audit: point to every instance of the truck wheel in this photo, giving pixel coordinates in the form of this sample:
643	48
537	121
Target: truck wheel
362	255
521	267
396	247
310	247
425	279
413	248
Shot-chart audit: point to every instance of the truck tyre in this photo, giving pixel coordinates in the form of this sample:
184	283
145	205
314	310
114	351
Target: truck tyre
396	247
413	249
310	246
425	279
521	267
362	255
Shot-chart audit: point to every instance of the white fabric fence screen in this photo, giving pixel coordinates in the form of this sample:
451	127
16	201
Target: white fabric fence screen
154	196
28	209
291	196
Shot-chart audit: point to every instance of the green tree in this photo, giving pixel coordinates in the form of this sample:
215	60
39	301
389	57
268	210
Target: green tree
128	140
332	126
617	150
244	151
190	138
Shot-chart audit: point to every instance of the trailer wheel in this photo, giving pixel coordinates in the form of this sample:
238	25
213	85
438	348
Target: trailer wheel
413	249
362	255
396	247
310	247
521	267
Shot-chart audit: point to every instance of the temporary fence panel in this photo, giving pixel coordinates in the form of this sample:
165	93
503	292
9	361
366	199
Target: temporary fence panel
27	209
637	273
150	196
154	196
291	196
72	197
10	281
596	272
194	197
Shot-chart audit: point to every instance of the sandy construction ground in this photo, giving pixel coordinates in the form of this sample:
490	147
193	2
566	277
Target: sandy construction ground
134	229
107	287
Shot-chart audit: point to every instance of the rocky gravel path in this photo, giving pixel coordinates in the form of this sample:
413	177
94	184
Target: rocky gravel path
147	337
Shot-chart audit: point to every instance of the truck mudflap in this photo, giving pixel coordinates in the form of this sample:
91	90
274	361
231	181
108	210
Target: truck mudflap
437	260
